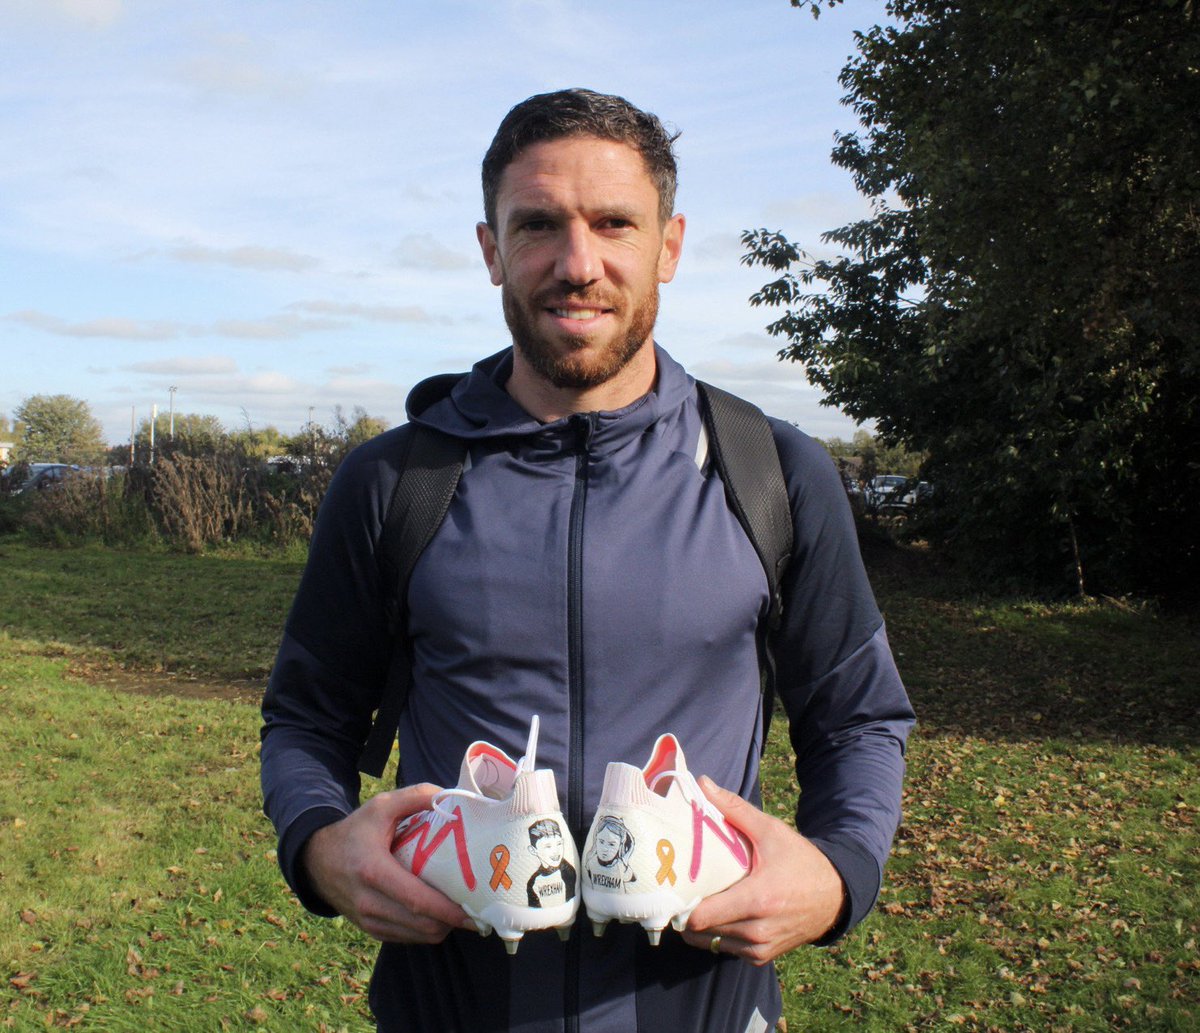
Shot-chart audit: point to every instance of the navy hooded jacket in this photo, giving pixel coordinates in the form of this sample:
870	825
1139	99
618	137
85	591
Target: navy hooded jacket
589	571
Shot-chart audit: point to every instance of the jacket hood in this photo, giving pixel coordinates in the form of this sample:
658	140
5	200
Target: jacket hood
475	405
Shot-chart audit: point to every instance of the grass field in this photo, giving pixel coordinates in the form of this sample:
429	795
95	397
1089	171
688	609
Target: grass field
1045	876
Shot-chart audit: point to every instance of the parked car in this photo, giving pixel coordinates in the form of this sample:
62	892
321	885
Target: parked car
893	494
885	493
40	476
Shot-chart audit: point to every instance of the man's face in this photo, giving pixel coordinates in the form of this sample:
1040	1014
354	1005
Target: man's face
579	251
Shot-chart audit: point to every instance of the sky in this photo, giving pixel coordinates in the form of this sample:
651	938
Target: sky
271	205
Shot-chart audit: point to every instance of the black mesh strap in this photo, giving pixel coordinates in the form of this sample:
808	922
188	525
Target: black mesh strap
743	449
429	471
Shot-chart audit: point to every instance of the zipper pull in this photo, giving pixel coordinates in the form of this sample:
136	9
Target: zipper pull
583	424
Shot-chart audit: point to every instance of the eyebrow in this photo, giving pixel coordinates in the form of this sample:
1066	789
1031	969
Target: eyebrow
533	213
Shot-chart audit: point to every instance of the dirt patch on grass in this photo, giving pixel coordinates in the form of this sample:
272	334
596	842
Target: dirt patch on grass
159	683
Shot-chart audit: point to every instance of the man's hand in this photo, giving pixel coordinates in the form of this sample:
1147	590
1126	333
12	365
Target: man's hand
791	896
350	864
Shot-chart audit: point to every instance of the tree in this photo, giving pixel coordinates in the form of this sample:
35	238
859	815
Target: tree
328	446
259	443
1021	305
195	435
58	429
872	456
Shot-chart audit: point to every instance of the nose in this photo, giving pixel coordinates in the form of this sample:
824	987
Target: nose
578	261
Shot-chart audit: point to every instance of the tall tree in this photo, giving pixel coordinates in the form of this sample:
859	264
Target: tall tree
195	434
59	429
1022	305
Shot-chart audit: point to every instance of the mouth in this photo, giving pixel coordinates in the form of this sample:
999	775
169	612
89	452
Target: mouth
578	314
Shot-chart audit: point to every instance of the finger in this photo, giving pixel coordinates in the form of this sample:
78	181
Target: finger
411	896
718	913
725	943
398	804
396	905
733	808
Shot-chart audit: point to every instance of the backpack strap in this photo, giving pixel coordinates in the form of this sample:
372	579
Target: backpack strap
430	465
743	450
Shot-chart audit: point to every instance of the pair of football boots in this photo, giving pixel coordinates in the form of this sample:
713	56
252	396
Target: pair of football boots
497	845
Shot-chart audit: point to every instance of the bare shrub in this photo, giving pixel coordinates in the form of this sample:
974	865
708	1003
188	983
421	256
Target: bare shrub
201	500
288	503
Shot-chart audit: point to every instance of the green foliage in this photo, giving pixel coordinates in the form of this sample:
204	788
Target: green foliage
866	455
258	443
194	435
1022	304
58	429
88	507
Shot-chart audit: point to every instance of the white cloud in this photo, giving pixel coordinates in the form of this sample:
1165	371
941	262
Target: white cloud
186	366
268	382
266	328
116	327
424	251
245	257
89	14
272	328
374	313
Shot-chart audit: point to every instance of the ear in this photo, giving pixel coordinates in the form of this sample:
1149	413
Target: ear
672	247
491	252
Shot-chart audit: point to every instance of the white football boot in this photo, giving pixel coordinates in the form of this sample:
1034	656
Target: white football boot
657	846
497	845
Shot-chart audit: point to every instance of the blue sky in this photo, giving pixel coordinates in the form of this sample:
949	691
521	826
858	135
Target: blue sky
271	204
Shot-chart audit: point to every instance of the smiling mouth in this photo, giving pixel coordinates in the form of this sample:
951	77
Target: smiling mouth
578	313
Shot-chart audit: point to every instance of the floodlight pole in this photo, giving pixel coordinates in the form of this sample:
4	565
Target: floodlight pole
172	389
153	421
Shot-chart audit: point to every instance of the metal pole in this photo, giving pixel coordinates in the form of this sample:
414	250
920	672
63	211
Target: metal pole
132	430
153	421
172	389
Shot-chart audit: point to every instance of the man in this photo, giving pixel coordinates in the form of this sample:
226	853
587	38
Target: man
589	570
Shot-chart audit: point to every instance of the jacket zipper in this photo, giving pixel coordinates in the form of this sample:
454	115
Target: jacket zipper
584	425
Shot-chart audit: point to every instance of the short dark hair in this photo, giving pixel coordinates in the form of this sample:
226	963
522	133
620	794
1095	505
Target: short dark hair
579	112
542	828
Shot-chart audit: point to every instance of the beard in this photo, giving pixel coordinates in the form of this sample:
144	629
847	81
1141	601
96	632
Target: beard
570	366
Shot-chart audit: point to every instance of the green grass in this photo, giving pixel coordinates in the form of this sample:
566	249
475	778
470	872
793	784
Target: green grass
1044	877
214	617
138	886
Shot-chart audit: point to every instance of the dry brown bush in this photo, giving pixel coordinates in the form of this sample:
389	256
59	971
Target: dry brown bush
201	500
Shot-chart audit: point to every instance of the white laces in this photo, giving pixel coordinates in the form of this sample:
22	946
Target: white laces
442	812
677	775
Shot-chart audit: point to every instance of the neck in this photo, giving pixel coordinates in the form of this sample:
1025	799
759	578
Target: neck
547	402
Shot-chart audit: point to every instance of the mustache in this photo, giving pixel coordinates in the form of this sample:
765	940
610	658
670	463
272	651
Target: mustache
588	297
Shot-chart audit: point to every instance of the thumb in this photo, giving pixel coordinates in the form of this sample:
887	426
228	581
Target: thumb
397	804
733	808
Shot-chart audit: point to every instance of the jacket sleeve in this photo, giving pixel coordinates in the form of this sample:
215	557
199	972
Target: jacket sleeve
848	713
331	665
